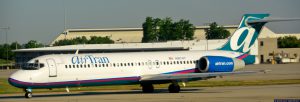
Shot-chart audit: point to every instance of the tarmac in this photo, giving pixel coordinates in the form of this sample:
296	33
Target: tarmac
204	94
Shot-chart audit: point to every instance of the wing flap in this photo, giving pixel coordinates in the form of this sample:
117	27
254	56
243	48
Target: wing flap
161	77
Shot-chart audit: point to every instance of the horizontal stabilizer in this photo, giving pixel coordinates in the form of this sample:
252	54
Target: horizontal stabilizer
272	20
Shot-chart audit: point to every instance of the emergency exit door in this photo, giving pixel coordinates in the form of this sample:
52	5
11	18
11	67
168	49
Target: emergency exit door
52	67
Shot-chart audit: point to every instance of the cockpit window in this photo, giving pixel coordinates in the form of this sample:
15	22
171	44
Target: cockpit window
32	66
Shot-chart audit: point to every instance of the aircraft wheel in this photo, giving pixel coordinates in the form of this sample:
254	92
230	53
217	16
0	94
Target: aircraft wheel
174	88
147	88
28	94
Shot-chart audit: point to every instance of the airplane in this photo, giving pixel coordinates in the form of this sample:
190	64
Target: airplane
144	68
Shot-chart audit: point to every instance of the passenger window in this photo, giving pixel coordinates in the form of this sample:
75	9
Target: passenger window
77	66
89	65
81	66
70	66
66	66
96	65
73	66
84	66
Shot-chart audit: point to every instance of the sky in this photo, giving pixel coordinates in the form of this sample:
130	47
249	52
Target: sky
44	20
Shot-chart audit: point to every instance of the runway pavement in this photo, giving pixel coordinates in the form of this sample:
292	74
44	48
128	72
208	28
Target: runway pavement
202	94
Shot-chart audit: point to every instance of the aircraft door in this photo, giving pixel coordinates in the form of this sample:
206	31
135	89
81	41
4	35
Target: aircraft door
149	64
52	67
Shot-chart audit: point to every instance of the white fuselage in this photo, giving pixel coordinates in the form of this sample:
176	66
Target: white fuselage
62	70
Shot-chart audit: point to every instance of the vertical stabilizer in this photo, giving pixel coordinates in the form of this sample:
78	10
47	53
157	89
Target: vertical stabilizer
243	38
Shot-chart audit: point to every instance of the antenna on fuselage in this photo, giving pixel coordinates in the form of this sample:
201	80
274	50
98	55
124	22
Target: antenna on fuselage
77	51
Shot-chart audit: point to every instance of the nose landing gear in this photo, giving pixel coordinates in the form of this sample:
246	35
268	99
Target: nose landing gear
28	93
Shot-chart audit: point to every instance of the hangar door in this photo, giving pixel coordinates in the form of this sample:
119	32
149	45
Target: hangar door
52	67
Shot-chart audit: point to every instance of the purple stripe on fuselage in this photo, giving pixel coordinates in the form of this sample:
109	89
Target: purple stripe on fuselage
135	79
182	71
242	56
74	82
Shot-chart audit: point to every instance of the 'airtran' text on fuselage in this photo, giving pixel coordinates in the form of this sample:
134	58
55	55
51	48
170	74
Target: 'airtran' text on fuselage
89	59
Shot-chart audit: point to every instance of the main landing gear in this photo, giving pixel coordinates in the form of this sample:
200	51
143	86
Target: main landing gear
173	88
147	88
28	93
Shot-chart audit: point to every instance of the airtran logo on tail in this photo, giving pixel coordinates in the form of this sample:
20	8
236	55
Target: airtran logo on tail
243	39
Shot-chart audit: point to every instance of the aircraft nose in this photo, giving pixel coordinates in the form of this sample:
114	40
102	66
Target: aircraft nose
10	81
14	80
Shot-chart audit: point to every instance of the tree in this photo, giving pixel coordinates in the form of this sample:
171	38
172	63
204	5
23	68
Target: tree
84	40
13	46
216	32
33	44
150	30
5	51
288	42
186	30
164	29
100	40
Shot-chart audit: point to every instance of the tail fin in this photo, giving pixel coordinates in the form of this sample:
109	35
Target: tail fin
246	34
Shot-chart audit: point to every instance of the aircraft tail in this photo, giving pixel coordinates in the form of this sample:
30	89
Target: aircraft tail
243	39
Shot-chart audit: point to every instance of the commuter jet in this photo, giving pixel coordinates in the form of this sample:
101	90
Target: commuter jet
144	68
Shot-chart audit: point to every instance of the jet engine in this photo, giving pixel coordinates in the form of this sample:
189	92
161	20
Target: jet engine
219	64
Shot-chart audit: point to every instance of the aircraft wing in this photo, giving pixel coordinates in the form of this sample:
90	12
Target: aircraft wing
162	77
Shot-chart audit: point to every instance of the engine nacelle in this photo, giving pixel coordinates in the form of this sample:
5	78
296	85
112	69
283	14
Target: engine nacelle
219	64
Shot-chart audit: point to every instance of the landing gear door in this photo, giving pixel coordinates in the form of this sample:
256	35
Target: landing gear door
52	67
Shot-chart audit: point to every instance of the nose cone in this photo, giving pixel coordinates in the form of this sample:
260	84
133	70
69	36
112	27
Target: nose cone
16	80
12	81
